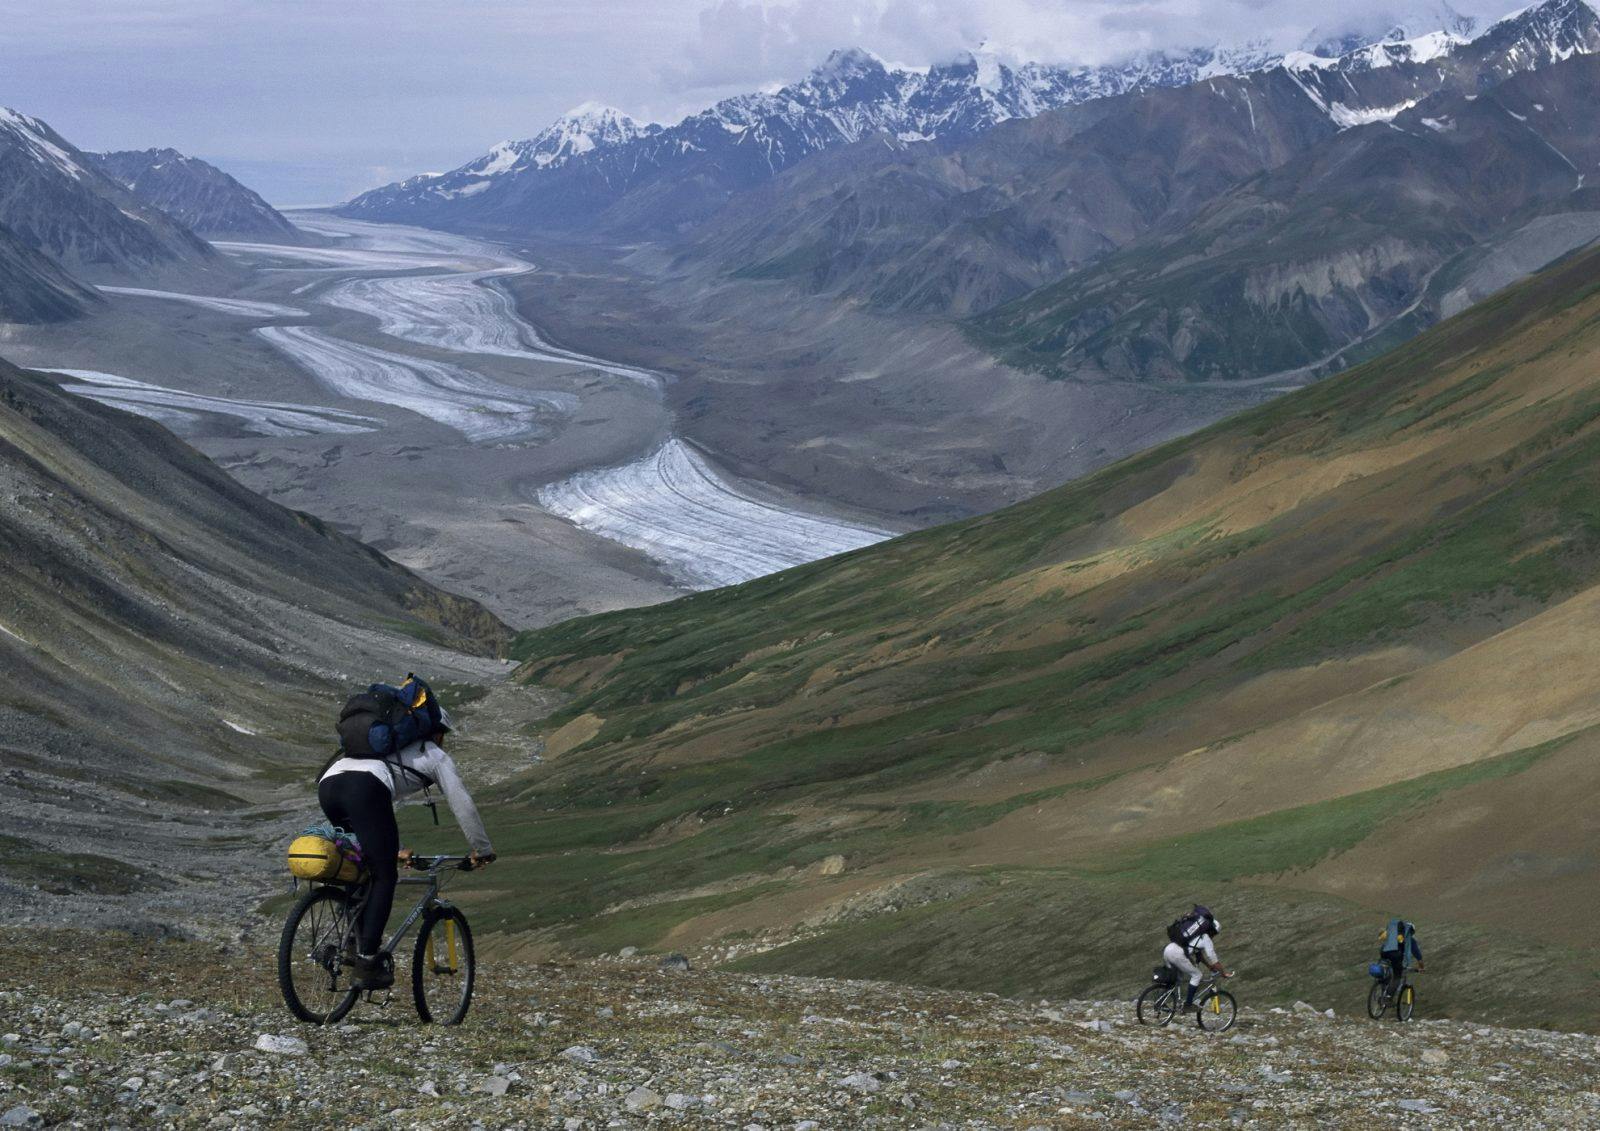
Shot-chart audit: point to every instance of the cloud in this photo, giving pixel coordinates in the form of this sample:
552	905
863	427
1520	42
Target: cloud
764	41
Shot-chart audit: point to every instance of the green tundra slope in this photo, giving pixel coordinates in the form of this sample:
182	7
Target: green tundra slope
1329	658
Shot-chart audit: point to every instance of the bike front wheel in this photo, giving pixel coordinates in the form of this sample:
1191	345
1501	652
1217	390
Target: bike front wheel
1157	1005
1377	1000
316	985
1407	1003
1217	1011
443	968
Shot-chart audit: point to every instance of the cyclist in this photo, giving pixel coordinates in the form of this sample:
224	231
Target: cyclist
359	795
1397	948
1191	942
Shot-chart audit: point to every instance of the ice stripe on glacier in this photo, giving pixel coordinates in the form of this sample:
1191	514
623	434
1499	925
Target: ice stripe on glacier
249	308
184	411
476	406
674	507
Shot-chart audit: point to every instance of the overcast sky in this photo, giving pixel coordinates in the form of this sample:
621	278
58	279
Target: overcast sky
311	101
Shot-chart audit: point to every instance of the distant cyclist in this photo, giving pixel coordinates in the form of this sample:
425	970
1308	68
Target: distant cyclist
358	791
1397	948
1192	942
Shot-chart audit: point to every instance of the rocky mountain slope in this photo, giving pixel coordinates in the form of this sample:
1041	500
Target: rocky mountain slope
194	192
55	201
964	228
1356	244
34	288
1300	665
116	1030
170	641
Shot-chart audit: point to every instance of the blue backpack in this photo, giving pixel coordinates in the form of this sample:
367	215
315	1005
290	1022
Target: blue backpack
383	720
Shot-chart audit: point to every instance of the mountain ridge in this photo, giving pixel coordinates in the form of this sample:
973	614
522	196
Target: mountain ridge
195	192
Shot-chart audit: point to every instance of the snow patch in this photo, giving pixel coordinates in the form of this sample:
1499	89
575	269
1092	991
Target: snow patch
1346	117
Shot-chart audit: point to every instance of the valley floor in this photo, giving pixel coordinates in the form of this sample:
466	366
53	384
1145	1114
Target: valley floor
112	1031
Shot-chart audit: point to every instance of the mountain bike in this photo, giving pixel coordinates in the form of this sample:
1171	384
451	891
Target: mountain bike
319	945
1382	995
1215	1010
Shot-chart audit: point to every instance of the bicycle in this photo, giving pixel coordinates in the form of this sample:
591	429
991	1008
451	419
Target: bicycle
319	944
1215	1010
1380	996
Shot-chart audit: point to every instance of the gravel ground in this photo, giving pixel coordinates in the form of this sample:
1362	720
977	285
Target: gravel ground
111	1031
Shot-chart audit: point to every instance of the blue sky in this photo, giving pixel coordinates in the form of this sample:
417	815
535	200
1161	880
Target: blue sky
311	101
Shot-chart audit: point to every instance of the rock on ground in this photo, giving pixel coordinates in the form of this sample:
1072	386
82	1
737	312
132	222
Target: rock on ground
189	1035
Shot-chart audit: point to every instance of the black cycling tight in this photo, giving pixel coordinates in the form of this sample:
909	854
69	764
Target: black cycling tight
358	802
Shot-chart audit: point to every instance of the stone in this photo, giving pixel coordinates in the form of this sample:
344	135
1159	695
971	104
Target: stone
675	964
1271	1077
495	1085
282	1046
1436	1058
580	1054
790	1060
1421	1107
1304	1007
861	1082
677	1101
605	1012
641	1099
627	952
807	1125
21	1116
831	866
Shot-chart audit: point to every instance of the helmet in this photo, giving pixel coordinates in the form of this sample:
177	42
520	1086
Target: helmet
1202	909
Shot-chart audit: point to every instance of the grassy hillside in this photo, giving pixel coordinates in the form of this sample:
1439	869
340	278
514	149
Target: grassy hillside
1326	659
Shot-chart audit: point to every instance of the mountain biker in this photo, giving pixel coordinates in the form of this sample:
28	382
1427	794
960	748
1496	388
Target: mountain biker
1191	942
359	795
1397	948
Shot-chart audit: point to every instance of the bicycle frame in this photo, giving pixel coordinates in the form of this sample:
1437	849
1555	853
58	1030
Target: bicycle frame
430	899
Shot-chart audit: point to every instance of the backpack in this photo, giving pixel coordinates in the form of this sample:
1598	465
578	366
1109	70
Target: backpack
1397	937
383	720
1186	932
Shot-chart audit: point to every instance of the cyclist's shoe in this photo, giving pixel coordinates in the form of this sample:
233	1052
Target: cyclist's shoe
373	972
1191	1008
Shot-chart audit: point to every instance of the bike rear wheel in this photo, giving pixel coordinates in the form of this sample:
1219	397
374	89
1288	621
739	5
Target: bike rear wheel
1157	1005
1406	1004
443	967
1217	1011
312	975
1377	1000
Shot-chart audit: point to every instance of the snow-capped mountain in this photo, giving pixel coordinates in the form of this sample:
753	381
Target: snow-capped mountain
597	169
1346	33
591	158
56	202
1376	82
193	191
